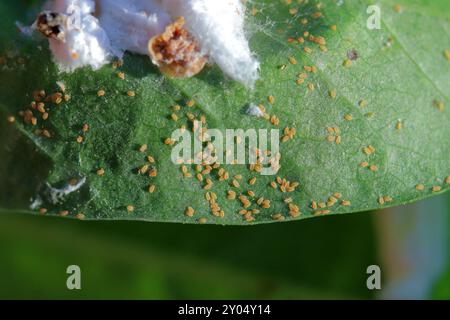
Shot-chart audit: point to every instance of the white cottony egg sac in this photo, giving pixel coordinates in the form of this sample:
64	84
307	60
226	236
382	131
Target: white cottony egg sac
130	24
218	25
78	39
180	36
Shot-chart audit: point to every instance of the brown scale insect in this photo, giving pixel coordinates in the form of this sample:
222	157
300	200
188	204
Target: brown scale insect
52	24
176	52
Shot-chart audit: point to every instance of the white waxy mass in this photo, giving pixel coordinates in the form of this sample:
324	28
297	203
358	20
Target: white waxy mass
94	32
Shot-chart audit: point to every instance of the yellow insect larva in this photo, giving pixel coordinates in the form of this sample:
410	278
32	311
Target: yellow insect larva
369	150
63	213
80	216
85	127
153	172
40	107
169	141
143	169
189	212
266	204
439	105
278	217
243	212
46	133
347	63
447	54
249	218
274	120
117	64
348	117
362	103
332	93
294	214
231	195
143	148
331	138
420	187
209	184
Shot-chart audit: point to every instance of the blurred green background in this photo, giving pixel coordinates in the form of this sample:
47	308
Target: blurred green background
320	258
325	258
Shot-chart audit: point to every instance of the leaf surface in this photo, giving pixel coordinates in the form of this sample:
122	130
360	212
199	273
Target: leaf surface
384	135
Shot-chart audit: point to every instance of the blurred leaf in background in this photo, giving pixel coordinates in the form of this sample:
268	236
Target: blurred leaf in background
324	258
413	242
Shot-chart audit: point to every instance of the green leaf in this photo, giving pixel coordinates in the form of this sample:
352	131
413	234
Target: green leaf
400	79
